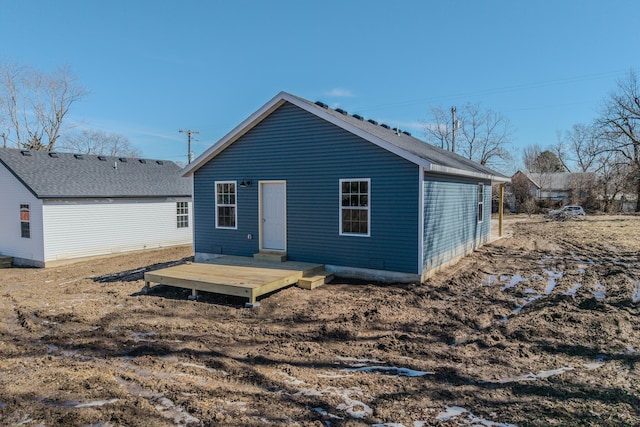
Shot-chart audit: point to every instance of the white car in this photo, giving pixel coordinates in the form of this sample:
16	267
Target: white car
569	210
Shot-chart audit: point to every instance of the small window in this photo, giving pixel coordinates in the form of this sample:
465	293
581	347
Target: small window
25	221
480	202
354	207
226	207
182	212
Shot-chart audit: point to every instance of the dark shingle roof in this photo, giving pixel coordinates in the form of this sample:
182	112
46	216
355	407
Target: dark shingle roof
67	175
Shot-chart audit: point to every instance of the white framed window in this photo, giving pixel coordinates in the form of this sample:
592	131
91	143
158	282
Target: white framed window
25	221
182	214
480	202
355	198
226	205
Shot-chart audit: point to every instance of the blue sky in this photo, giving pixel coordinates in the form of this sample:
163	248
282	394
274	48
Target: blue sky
153	67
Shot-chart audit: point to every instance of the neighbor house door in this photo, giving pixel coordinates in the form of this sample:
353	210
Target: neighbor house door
273	215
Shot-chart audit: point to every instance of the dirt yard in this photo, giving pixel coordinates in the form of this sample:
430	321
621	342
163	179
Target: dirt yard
541	328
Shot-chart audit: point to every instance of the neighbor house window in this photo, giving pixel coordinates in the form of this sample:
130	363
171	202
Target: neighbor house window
226	207
25	221
354	206
182	212
480	202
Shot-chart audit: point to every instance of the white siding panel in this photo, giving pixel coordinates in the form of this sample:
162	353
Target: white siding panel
12	194
89	228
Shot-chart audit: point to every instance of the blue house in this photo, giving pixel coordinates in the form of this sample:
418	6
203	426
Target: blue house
319	185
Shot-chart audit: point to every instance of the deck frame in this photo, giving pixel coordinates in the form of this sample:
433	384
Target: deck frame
232	275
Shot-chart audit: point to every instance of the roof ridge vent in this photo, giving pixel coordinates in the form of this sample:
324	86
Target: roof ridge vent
53	154
341	111
143	161
79	156
123	159
25	153
384	126
406	133
373	122
358	116
102	158
321	104
160	162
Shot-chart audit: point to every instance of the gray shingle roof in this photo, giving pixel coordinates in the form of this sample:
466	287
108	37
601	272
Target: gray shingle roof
66	175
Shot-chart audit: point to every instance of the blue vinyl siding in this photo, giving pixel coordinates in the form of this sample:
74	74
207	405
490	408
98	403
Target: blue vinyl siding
312	155
451	227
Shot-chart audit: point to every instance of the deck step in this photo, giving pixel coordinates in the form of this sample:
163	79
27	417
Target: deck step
5	261
270	256
312	282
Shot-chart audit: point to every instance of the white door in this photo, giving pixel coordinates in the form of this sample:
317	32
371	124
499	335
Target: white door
273	215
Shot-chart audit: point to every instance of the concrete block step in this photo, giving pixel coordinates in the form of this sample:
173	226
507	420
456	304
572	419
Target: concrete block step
312	282
271	256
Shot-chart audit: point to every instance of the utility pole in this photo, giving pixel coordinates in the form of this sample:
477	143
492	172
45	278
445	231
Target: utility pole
189	132
453	129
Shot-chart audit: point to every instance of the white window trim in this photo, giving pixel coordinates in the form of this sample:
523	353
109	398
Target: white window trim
368	208
28	207
480	202
235	205
182	216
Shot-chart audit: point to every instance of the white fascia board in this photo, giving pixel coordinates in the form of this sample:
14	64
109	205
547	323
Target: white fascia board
236	133
454	171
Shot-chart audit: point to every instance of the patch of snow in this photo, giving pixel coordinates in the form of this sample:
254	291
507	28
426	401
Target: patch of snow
143	336
593	365
631	351
573	290
599	291
355	408
452	412
534	377
95	403
515	279
325	413
530	291
636	291
392	370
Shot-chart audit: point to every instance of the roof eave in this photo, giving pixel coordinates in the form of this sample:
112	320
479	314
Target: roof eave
468	174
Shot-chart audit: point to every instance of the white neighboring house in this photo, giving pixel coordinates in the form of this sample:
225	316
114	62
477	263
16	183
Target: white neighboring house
59	206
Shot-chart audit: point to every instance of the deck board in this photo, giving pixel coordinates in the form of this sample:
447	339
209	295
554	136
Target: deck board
231	275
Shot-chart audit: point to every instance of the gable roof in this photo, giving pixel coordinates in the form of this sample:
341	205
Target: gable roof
433	159
66	175
558	181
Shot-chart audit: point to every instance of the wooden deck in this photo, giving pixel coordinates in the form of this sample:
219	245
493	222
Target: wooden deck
232	275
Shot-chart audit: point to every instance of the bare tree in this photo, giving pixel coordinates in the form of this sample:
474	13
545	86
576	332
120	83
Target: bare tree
579	148
439	131
620	125
35	104
530	156
91	141
482	136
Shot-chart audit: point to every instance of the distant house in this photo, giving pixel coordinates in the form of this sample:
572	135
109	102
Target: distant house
59	206
564	187
320	185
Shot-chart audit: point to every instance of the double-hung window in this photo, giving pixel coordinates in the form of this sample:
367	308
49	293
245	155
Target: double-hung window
226	205
480	202
355	218
182	214
25	221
